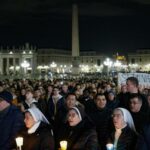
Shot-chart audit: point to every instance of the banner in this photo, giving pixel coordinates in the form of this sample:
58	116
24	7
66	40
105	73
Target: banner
143	78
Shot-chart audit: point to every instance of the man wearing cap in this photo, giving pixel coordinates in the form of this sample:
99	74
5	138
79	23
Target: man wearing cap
11	121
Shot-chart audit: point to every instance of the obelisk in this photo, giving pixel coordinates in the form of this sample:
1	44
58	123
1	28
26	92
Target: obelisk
75	40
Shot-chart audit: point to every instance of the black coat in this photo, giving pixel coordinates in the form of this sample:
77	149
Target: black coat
112	104
81	137
140	120
144	139
41	139
103	123
11	122
127	139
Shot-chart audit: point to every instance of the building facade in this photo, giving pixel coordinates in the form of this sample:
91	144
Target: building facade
140	60
30	60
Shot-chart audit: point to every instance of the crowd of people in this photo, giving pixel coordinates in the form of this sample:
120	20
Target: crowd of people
87	113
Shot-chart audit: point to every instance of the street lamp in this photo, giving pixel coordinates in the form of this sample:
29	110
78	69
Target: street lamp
108	63
25	65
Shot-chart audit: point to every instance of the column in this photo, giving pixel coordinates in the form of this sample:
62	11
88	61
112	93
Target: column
14	64
7	68
1	64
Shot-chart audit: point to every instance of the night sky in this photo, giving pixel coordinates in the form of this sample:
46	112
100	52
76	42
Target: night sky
105	26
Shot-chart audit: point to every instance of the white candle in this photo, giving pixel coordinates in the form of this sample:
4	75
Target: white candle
109	146
19	141
63	145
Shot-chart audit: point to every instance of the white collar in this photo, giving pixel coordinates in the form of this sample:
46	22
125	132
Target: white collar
34	127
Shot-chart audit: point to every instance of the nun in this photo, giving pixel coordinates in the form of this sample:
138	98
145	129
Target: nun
38	134
124	136
80	132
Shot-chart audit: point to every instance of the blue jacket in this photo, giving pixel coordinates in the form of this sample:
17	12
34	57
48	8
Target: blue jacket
11	121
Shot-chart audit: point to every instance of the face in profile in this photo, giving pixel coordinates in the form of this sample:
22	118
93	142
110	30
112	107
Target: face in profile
118	119
73	118
29	120
123	88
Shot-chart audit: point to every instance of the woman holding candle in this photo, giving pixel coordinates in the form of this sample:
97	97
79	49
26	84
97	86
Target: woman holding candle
39	135
124	137
79	132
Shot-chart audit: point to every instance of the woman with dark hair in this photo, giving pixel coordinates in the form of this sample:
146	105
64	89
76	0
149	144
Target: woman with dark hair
124	136
79	132
38	134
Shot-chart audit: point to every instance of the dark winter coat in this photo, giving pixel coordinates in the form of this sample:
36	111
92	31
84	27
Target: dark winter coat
81	137
112	104
140	120
103	123
127	139
11	121
123	100
144	139
88	104
41	139
51	107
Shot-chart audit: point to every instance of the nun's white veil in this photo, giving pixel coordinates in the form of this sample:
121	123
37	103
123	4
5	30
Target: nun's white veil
127	118
37	115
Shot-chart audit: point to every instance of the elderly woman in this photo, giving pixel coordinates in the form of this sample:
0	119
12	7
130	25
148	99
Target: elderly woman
124	137
38	135
79	132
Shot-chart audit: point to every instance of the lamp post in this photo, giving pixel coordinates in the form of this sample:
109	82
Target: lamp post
25	65
108	63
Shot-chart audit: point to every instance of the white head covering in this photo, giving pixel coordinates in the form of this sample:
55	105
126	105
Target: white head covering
37	115
78	112
127	118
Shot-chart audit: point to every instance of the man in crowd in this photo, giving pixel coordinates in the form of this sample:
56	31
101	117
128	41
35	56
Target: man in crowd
133	89
11	121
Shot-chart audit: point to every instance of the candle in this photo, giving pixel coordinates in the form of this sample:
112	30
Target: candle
19	142
63	145
109	146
